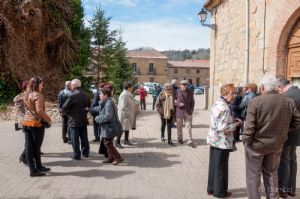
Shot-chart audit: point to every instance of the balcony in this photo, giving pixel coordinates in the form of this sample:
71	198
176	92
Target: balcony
152	72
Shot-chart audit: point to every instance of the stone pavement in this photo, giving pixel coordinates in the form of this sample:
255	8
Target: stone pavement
152	169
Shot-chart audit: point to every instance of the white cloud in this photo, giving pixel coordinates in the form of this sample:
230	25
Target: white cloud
164	34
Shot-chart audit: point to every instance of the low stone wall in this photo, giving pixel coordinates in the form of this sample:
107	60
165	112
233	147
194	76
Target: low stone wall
51	109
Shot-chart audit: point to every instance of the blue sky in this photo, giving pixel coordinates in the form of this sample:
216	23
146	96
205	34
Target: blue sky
161	24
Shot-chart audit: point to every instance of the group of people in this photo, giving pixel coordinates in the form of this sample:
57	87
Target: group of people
269	127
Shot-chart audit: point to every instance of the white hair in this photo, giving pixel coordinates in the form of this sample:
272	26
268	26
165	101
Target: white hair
174	81
68	83
76	83
269	82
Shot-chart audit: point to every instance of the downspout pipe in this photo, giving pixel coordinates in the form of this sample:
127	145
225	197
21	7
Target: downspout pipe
246	65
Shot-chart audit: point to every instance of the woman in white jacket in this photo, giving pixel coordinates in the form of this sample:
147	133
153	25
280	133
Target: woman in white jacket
126	112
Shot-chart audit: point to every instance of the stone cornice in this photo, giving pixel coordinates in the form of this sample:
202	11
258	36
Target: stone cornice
211	4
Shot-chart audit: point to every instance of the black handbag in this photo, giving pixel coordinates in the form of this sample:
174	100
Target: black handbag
114	128
17	126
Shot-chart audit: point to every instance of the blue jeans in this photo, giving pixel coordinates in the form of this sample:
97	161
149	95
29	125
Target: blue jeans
287	171
76	133
34	137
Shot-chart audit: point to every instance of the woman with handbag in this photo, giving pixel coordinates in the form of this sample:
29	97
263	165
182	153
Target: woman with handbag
221	140
110	126
32	126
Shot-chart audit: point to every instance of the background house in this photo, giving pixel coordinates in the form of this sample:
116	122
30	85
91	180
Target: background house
149	65
253	38
197	70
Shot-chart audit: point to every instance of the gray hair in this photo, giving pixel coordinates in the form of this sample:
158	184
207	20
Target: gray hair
282	82
166	85
68	83
269	82
173	81
76	83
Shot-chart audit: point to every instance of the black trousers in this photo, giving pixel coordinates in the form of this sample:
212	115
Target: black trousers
65	128
287	171
143	104
118	140
34	137
96	129
218	172
154	101
165	122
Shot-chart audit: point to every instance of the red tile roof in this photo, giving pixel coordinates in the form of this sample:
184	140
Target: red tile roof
189	64
145	54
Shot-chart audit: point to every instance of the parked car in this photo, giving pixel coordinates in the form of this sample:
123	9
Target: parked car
150	86
93	88
198	91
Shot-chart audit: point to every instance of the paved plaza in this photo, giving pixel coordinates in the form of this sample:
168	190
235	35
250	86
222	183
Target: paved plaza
152	169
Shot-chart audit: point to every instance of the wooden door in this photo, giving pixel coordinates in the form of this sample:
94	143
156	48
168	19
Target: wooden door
293	59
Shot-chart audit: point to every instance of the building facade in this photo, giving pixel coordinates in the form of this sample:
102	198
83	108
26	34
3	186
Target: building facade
149	65
197	70
253	38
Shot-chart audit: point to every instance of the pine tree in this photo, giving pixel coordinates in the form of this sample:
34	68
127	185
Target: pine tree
120	70
103	41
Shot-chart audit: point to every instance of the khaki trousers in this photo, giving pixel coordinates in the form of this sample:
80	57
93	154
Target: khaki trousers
258	163
187	118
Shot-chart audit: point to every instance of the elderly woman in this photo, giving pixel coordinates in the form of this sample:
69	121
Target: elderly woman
108	114
33	128
165	108
220	138
126	112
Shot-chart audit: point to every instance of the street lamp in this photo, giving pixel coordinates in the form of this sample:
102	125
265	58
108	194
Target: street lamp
202	17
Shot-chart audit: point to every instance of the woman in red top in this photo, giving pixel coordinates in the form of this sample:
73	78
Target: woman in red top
143	95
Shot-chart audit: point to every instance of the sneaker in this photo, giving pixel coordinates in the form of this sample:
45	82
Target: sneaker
118	145
191	144
127	142
118	161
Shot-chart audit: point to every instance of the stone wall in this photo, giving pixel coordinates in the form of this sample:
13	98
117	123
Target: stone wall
160	75
270	23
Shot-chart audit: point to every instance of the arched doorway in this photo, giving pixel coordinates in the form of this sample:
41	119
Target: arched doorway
293	55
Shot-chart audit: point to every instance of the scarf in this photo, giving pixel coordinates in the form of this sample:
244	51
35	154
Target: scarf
168	105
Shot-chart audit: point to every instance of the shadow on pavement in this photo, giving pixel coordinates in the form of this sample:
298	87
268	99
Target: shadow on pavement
200	126
93	173
239	193
75	163
150	159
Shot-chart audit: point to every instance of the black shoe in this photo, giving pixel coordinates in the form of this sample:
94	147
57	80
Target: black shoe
291	193
85	155
23	160
96	140
65	140
42	153
44	169
69	141
127	142
283	194
75	158
171	143
118	145
37	174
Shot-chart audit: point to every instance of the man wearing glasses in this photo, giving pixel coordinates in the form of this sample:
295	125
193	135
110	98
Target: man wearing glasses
185	104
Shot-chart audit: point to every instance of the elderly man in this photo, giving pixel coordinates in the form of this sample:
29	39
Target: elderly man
269	118
185	104
74	108
62	98
287	171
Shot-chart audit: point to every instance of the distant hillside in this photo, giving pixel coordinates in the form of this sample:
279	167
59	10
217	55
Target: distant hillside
181	55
